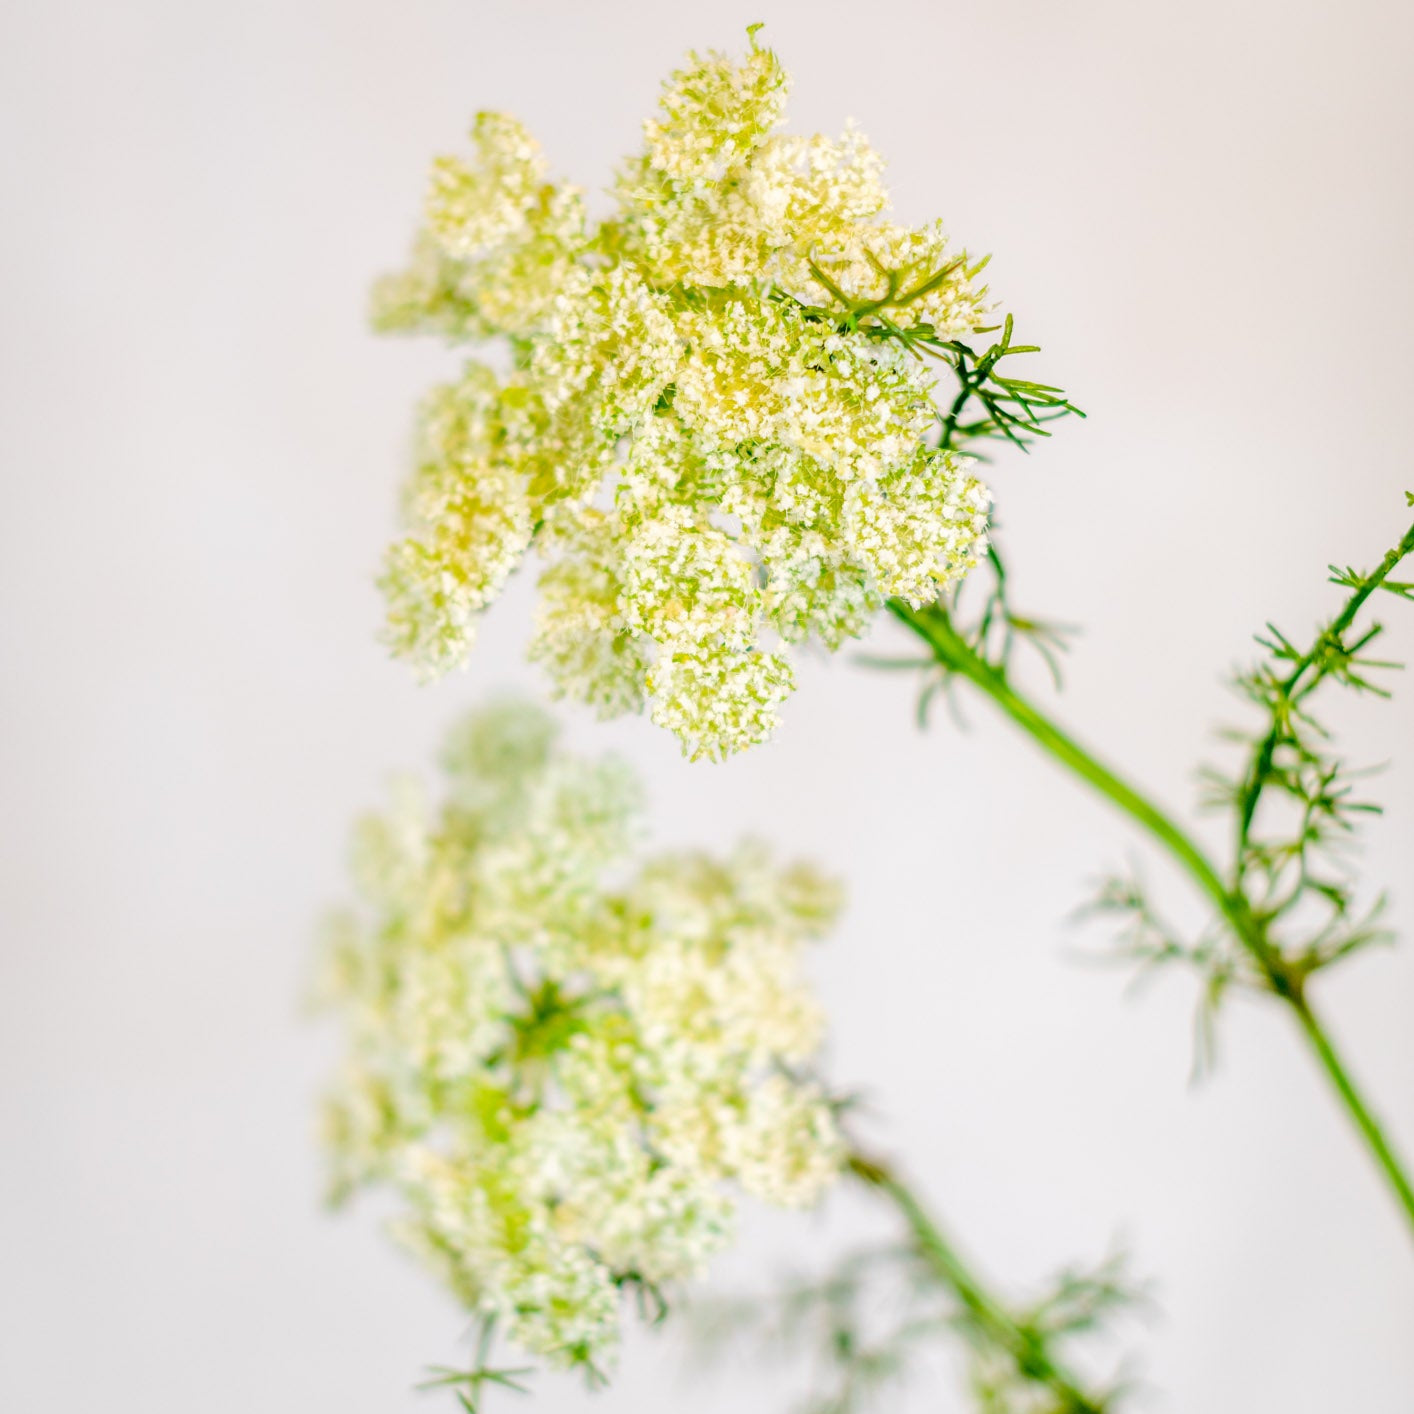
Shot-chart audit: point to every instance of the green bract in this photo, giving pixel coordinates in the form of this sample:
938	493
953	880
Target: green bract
566	1080
714	422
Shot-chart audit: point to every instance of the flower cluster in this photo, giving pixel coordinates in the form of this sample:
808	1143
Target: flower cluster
567	1081
711	419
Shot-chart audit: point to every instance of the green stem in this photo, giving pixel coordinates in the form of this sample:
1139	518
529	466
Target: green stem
954	653
1388	1161
1025	1346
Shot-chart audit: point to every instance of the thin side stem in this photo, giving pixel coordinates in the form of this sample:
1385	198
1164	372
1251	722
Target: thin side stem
1024	1345
954	653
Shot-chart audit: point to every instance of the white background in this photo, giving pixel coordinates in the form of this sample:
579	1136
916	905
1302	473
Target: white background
1201	210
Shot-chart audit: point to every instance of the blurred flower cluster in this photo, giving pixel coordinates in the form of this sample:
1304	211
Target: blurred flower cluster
566	1061
707	410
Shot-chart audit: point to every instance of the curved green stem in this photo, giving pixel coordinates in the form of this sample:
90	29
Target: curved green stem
956	655
1025	1346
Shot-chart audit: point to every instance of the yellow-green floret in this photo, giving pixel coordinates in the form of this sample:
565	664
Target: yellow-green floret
567	1061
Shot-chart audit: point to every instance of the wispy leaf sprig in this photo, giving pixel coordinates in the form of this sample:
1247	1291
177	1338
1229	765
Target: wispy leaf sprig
1147	942
997	626
984	615
989	403
1295	802
471	1384
877	1317
864	1327
1077	1302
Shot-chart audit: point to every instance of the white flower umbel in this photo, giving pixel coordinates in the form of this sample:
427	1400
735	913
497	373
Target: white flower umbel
711	421
568	1063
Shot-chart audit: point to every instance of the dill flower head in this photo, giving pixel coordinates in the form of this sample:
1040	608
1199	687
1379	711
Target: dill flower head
712	419
567	1063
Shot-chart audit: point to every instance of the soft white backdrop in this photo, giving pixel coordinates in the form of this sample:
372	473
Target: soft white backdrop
1201	209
